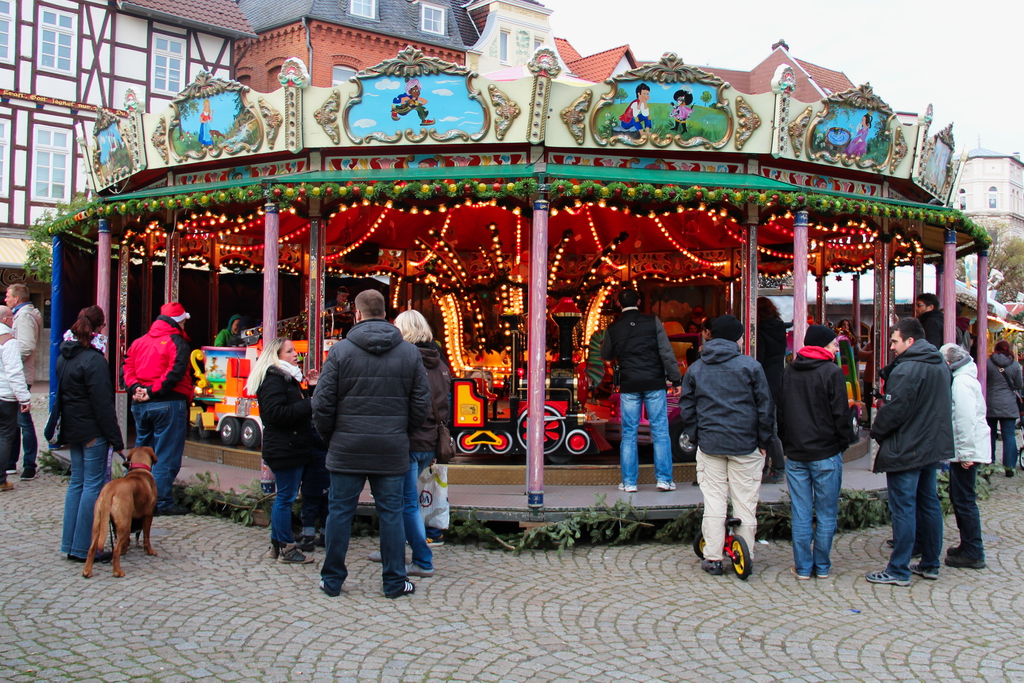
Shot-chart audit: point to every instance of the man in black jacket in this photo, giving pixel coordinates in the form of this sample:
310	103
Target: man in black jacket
727	411
815	428
931	317
646	362
914	430
371	395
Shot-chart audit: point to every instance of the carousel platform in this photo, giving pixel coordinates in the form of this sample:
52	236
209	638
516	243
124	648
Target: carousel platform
496	489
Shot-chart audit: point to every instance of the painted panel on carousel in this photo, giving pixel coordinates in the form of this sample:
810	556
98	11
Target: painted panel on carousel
935	162
853	129
821	182
243	172
664	103
212	117
416	98
111	154
646	163
423	161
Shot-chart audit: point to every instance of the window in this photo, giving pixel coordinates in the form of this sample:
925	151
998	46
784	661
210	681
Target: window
503	47
4	144
363	8
993	198
432	19
962	200
51	161
341	74
6	25
168	60
56	36
537	44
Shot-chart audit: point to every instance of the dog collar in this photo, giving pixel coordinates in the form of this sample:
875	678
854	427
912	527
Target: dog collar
140	466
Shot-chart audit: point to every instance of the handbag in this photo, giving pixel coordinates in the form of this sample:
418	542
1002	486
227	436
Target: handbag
52	431
1016	392
433	489
445	450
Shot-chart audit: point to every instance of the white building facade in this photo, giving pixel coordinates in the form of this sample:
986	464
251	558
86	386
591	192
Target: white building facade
991	192
61	61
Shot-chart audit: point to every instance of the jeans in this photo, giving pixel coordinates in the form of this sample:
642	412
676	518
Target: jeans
1006	427
721	477
25	438
656	403
344	496
814	492
415	531
89	473
965	507
914	504
162	426
8	431
288	480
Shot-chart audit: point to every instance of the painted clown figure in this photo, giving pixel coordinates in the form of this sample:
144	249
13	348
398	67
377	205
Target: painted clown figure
409	101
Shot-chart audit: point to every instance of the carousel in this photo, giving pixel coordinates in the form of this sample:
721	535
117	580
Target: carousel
510	214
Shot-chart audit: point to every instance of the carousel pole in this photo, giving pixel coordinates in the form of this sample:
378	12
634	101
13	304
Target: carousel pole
103	258
749	286
983	316
949	288
856	311
120	334
819	283
536	354
56	312
880	338
799	279
271	229
315	291
147	279
918	275
214	284
938	280
172	276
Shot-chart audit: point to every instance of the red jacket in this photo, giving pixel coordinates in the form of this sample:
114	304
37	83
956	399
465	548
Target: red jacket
158	361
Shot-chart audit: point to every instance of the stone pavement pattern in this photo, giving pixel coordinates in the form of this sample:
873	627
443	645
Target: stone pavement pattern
210	609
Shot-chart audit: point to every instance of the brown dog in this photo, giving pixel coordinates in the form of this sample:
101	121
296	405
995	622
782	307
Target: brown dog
121	501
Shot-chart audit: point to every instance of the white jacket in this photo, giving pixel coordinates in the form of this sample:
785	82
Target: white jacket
12	375
971	436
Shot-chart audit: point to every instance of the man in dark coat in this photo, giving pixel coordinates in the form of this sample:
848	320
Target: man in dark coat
371	395
914	431
639	344
727	411
815	427
931	317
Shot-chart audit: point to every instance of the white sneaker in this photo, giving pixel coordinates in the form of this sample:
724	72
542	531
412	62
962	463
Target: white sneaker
628	488
666	486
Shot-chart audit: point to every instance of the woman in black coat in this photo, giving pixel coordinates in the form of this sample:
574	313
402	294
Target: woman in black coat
286	412
88	425
1004	379
771	354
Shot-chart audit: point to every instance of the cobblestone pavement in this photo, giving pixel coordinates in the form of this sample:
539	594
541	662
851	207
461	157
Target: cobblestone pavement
209	608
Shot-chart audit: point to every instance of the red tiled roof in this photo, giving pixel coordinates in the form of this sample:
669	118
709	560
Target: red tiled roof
602	65
567	51
217	14
740	80
827	79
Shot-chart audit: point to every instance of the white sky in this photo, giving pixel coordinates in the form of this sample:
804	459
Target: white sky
963	57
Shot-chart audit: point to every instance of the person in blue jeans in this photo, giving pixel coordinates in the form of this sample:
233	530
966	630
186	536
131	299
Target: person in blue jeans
914	431
816	427
646	363
156	374
1003	381
370	397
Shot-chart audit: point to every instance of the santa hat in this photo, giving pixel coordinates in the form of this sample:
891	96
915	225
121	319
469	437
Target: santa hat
174	311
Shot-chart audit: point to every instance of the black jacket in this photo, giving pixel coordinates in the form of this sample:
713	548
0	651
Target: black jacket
640	345
813	410
934	323
725	405
286	411
1002	379
425	438
372	394
87	396
914	426
771	352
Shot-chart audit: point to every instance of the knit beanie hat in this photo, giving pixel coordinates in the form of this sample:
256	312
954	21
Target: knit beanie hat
818	335
727	327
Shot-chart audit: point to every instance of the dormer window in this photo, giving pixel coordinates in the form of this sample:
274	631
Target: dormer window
363	8
432	19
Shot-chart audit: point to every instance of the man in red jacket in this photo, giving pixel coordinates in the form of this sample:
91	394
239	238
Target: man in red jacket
156	374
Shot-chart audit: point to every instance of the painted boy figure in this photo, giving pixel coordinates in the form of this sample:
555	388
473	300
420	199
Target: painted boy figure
637	117
409	101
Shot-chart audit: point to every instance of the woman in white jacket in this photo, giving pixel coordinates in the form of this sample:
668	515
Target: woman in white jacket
972	441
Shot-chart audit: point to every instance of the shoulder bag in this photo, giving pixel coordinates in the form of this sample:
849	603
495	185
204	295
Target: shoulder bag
1016	392
52	431
445	450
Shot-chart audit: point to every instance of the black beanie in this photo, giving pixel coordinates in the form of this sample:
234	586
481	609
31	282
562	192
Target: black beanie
727	327
818	335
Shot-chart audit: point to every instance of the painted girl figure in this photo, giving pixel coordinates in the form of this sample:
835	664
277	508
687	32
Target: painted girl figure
206	125
682	110
859	144
637	116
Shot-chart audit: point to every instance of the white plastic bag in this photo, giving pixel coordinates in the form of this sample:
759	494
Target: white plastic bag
433	487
